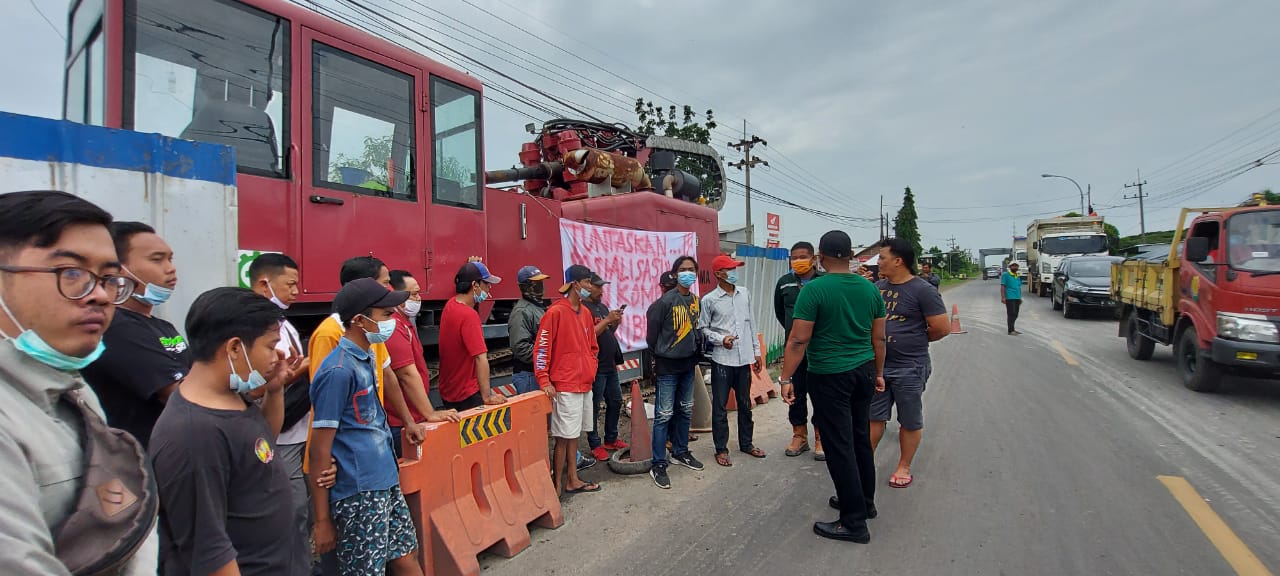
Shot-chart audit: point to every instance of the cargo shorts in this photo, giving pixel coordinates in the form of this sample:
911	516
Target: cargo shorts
904	388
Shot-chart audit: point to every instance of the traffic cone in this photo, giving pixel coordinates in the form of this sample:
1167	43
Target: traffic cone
641	439
955	320
701	421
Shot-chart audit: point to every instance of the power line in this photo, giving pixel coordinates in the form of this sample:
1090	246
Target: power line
46	19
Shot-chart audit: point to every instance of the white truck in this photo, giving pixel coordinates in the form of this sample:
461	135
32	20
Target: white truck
1018	255
1051	240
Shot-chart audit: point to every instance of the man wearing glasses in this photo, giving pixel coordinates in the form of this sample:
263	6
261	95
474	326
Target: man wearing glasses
146	356
60	282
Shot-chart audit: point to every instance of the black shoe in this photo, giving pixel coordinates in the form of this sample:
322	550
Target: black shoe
587	461
834	502
687	460
660	478
836	531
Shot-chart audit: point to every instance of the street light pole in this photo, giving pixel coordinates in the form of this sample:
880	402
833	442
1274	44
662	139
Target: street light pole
1078	189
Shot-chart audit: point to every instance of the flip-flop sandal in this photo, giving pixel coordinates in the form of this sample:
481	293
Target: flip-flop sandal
755	452
588	487
897	481
723	460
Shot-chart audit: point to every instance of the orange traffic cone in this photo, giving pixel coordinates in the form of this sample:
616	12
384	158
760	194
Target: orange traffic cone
955	320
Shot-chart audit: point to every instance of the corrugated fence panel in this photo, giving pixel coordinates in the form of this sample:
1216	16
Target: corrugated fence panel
760	275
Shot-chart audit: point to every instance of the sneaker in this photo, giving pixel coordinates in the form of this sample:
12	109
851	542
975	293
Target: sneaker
660	478
616	445
599	453
687	460
585	461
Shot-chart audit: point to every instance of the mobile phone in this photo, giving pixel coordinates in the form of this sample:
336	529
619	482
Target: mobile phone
622	308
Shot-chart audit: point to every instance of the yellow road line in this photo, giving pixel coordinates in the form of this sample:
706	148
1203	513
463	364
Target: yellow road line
1232	548
1062	351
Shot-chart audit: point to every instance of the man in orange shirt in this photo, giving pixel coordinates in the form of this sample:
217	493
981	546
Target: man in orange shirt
564	362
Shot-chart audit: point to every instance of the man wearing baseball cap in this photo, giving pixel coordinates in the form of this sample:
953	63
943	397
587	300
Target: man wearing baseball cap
364	515
726	324
523	325
464	356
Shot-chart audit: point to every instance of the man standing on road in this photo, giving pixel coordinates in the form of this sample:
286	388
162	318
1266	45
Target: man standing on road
673	339
926	274
146	356
408	362
564	360
785	295
915	316
464	355
839	322
607	391
523	325
725	322
1011	295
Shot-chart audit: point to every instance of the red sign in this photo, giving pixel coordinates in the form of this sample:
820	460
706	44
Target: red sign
772	221
772	243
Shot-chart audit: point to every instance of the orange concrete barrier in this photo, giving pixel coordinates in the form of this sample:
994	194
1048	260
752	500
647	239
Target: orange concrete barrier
478	484
762	387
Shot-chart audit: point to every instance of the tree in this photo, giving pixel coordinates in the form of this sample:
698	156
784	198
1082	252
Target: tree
904	225
654	120
1113	237
372	160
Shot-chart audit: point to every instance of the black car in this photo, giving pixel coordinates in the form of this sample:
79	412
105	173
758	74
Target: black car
1083	283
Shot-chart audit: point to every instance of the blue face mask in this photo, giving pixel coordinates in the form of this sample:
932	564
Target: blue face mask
242	386
31	344
584	294
687	278
481	296
385	329
731	277
154	295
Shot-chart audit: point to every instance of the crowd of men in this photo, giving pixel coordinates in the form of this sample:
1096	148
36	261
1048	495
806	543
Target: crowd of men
258	453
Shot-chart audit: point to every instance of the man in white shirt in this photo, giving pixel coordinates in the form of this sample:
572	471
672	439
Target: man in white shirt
726	324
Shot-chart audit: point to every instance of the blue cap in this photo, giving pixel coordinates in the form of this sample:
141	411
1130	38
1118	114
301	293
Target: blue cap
530	274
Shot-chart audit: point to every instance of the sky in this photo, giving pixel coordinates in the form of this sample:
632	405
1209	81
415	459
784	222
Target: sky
967	102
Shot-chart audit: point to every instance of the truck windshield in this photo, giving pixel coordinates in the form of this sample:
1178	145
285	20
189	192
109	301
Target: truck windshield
1021	256
1253	241
1088	244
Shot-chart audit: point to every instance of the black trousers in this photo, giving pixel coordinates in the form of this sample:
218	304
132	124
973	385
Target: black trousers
1011	307
842	413
798	412
724	379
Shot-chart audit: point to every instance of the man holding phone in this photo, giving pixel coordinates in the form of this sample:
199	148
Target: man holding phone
606	391
735	352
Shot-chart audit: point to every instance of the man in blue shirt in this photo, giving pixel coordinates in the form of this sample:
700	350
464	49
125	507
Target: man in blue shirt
1011	295
364	514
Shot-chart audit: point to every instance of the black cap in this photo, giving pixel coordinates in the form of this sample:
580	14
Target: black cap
667	279
362	294
597	280
475	271
836	244
575	273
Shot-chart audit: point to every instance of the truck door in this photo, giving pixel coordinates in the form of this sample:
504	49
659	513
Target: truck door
1198	280
360	187
457	220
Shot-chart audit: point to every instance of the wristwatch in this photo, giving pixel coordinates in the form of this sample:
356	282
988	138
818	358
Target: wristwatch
784	381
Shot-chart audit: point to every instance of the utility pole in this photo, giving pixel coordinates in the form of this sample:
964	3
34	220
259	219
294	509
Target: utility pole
748	161
1142	213
1089	192
884	223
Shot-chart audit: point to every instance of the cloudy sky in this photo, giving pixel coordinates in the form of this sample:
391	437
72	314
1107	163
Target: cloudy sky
967	102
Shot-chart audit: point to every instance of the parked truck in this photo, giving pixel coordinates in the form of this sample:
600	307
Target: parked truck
1215	296
1051	240
1018	255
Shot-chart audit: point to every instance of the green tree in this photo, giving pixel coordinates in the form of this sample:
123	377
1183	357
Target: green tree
684	123
904	224
1071	214
373	160
1113	237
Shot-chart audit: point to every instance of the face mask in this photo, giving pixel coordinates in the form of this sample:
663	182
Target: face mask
412	308
31	344
584	294
802	267
481	296
732	278
275	300
687	278
240	385
157	295
535	292
385	329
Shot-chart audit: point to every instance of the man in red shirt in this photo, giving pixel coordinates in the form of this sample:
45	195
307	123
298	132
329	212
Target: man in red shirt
564	362
464	356
407	360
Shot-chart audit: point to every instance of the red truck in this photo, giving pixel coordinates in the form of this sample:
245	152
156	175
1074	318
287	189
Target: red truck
1215	297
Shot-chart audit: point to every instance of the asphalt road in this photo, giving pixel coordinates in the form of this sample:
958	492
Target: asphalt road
1042	455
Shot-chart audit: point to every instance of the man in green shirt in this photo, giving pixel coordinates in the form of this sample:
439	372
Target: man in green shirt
838	328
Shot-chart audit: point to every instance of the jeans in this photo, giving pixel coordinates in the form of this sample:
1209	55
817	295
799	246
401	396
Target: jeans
673	410
300	548
1011	307
798	412
524	382
842	413
608	393
738	379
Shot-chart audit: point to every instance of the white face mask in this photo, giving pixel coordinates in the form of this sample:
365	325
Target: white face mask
275	299
412	308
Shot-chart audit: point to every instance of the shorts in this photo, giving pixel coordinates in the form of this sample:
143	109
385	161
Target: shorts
904	388
374	528
572	413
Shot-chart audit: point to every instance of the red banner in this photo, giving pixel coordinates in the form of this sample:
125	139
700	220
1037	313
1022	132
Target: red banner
631	261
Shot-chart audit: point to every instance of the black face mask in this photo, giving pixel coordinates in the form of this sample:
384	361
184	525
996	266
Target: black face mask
533	292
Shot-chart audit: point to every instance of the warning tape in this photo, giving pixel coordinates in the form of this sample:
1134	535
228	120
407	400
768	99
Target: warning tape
485	425
631	364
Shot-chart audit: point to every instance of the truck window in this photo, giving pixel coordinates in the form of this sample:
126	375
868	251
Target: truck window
1253	241
363	125
85	94
1021	257
1089	244
213	71
455	122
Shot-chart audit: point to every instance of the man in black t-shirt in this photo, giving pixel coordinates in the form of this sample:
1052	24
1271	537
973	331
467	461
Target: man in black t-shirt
225	502
606	391
915	316
146	356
